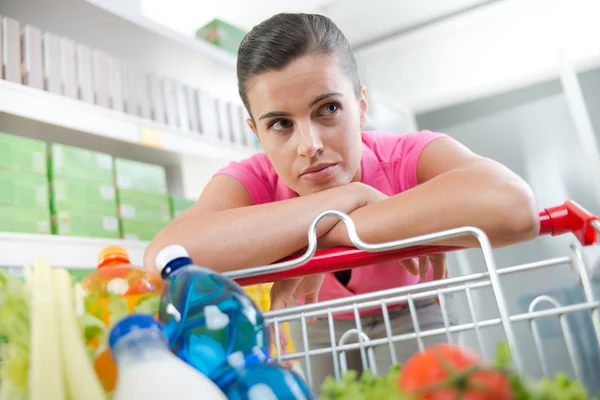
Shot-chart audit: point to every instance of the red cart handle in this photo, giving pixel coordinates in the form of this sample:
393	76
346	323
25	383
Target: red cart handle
568	217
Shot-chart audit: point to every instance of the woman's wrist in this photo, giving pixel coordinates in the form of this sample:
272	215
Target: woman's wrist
336	237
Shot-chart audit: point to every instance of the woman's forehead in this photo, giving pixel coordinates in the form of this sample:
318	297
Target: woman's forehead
298	84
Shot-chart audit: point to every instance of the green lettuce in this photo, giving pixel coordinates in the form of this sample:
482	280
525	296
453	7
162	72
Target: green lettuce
15	329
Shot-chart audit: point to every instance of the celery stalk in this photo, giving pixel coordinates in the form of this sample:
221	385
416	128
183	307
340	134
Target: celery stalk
81	379
45	369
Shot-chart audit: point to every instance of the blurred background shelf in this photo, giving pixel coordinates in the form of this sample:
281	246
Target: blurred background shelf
111	130
61	251
130	14
119	30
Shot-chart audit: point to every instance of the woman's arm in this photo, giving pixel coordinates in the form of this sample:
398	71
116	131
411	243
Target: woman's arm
224	232
456	188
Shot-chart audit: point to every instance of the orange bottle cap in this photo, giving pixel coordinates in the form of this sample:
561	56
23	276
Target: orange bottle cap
112	252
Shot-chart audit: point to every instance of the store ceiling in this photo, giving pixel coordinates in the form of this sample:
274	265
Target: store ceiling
363	22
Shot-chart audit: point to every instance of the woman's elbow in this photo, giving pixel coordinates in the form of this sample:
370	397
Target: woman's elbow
520	215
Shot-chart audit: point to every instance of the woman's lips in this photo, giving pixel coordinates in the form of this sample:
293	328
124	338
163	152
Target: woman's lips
321	174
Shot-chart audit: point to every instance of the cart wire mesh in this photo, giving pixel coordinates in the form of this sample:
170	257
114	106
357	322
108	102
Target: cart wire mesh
578	355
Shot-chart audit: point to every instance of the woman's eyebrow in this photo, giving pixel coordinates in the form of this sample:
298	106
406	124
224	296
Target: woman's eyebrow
272	114
317	99
323	97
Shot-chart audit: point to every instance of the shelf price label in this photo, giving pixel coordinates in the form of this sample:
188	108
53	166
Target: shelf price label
151	137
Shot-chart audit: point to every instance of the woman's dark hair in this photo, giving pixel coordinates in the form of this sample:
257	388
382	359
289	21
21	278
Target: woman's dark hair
283	38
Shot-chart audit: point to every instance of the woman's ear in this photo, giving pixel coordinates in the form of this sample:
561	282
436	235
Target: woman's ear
363	107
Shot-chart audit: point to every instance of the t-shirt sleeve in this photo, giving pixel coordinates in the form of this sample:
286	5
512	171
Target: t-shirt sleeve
406	153
248	172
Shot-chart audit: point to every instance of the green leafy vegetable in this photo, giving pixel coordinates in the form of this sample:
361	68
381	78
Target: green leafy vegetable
561	387
367	387
15	327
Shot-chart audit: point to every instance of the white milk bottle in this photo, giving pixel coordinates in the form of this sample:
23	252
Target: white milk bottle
148	370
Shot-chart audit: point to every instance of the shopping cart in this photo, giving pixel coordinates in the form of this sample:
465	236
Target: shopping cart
568	217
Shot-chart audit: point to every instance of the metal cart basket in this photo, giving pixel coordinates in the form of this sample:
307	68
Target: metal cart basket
565	218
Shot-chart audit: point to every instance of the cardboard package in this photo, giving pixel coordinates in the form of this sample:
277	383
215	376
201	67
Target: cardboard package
73	162
23	154
52	67
11	50
68	64
32	53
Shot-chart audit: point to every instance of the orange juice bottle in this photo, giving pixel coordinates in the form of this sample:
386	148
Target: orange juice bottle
116	276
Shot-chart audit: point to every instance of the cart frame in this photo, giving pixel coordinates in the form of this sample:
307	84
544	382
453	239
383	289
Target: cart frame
568	217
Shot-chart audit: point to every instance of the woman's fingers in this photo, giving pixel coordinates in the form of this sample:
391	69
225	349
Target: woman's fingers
282	294
423	267
411	266
310	299
438	262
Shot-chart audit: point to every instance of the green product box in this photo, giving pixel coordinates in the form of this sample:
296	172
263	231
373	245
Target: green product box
83	195
79	273
24	219
143	206
222	35
179	205
134	175
23	189
73	223
76	163
140	230
22	154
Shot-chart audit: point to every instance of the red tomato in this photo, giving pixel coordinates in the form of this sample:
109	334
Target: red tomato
446	372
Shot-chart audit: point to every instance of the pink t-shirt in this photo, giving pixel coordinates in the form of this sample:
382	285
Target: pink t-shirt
389	164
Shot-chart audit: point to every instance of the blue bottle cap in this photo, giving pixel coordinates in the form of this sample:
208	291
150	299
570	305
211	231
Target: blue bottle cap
132	323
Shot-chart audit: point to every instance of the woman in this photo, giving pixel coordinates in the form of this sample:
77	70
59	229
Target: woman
298	79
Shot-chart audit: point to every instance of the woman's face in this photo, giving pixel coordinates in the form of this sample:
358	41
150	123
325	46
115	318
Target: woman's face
309	121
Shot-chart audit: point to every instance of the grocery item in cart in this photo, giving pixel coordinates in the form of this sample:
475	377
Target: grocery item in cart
148	370
456	371
117	276
210	320
266	381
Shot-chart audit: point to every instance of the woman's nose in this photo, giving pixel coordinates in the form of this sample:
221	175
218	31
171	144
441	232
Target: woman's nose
310	143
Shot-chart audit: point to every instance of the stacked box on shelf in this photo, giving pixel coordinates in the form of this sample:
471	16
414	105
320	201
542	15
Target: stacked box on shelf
142	197
83	199
179	205
24	205
222	34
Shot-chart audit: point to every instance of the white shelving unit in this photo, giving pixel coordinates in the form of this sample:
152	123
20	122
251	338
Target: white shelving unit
75	115
116	7
189	158
17	249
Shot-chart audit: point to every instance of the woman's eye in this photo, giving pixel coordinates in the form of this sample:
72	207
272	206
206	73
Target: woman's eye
330	108
281	124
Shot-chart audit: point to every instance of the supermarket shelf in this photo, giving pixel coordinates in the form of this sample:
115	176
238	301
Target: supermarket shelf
74	115
150	46
17	249
117	8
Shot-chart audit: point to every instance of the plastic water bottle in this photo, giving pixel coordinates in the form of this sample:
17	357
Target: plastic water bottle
148	370
267	382
211	322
